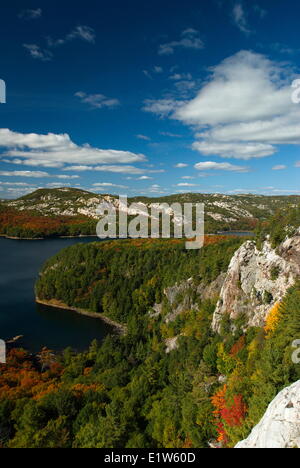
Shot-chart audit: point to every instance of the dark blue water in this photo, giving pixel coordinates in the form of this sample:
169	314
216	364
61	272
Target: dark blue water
20	263
237	233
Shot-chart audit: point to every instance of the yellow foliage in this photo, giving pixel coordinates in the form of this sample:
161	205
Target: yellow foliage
273	318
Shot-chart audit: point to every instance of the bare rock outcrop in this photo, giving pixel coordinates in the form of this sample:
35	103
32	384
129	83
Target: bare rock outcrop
256	280
280	426
180	295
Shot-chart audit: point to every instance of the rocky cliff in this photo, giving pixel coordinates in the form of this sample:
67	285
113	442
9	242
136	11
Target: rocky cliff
280	426
256	280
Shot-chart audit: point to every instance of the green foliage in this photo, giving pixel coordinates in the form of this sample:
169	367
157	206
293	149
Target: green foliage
127	391
284	222
275	272
123	279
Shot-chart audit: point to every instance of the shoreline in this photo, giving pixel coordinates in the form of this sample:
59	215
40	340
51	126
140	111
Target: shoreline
122	329
4	236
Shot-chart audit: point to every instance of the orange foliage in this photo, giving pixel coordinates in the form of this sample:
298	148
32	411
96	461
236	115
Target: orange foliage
238	346
32	222
80	389
219	402
20	378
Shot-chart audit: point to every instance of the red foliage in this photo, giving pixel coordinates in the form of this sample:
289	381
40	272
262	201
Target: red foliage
28	221
231	415
234	414
238	346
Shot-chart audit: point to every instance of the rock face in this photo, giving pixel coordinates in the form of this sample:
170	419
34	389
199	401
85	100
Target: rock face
256	280
280	426
179	297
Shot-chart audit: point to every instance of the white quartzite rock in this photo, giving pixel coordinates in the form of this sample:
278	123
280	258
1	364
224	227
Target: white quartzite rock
249	281
280	426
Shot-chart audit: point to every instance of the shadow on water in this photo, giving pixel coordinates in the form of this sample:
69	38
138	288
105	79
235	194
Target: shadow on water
41	326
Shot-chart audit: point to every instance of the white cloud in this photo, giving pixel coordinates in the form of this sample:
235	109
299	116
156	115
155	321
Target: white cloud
243	88
171	135
283	48
66	177
38	53
156	70
98	101
181	76
36	175
279	167
180	165
260	11
189	40
34	163
79	168
30	14
108	184
147	74
144	178
162	107
59	149
84	33
243	111
13	192
297	164
33	174
143	137
210	165
240	18
17	184
234	150
186	184
120	169
185	86
157	189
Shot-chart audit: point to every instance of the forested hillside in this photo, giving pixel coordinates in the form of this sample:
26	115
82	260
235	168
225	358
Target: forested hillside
68	211
31	225
211	389
123	279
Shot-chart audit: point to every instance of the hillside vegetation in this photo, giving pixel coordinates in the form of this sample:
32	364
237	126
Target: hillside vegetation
128	392
68	211
123	279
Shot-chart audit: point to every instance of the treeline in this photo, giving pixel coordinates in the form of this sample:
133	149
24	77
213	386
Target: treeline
127	392
283	223
29	225
123	278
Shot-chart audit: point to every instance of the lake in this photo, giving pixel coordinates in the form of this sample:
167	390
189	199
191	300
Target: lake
41	326
237	233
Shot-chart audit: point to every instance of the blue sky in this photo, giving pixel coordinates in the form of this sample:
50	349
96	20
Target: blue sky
150	99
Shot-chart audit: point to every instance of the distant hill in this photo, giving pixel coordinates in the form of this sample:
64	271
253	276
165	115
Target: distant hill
79	207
